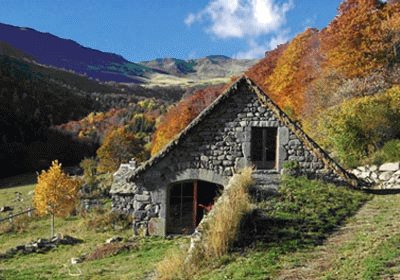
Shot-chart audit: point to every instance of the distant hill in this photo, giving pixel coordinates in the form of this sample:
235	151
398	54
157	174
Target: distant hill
48	49
209	67
51	50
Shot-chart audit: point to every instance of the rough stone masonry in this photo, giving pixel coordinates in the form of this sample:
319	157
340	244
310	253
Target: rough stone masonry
212	148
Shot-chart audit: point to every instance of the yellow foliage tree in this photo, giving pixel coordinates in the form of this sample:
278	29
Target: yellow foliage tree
295	69
55	193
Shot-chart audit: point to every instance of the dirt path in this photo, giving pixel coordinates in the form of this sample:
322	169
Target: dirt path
350	253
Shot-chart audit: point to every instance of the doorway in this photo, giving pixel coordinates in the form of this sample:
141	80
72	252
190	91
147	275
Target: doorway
188	202
264	147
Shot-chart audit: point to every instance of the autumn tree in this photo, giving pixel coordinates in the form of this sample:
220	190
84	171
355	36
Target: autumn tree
265	67
180	115
295	69
353	42
120	145
55	193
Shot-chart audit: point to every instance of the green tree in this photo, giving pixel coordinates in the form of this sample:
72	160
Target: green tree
120	145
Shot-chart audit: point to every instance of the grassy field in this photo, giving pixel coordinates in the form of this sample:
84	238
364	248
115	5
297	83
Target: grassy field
23	184
310	231
133	264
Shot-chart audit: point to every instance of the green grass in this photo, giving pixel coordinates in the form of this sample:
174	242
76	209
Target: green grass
22	183
134	264
312	230
299	219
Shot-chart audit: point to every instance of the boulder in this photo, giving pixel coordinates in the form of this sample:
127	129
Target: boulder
114	239
390	166
384	176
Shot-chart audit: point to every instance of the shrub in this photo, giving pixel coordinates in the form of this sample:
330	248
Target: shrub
102	221
108	250
89	166
18	225
358	127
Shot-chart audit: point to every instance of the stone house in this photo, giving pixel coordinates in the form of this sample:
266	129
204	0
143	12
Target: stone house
170	192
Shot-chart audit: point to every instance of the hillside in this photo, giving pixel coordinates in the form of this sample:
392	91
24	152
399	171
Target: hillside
352	66
51	50
35	97
214	69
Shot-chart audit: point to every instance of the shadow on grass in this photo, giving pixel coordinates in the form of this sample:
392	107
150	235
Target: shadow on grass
303	214
259	230
382	191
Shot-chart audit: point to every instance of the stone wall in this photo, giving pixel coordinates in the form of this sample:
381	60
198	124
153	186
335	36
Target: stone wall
385	176
213	151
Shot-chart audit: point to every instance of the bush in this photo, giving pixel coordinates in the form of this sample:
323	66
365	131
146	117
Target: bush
102	221
108	250
360	126
19	224
89	166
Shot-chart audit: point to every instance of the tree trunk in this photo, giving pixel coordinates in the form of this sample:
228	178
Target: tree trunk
52	225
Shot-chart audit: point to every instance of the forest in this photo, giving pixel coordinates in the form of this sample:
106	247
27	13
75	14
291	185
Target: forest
342	80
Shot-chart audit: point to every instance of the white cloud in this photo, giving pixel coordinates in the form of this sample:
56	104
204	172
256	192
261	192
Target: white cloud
241	18
256	50
245	19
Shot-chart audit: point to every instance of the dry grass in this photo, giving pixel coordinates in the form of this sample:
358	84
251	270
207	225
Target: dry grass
173	265
108	250
219	230
223	226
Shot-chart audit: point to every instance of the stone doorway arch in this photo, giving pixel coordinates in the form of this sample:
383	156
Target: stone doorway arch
187	203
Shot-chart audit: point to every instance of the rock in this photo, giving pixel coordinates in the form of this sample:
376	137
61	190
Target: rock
362	168
154	227
374	175
390	166
365	174
142	197
6	209
373	168
76	260
384	176
139	215
114	239
69	240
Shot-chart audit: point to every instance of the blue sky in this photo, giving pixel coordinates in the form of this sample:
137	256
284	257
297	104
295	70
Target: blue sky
147	29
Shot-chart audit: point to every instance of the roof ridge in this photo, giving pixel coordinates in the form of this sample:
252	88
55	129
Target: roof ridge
270	104
192	124
298	131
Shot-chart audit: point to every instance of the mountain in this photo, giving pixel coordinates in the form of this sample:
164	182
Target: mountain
54	51
209	67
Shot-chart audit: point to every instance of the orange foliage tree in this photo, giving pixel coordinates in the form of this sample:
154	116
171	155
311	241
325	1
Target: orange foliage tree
355	42
295	69
180	115
55	193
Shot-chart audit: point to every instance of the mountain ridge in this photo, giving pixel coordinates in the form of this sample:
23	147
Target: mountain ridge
51	50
